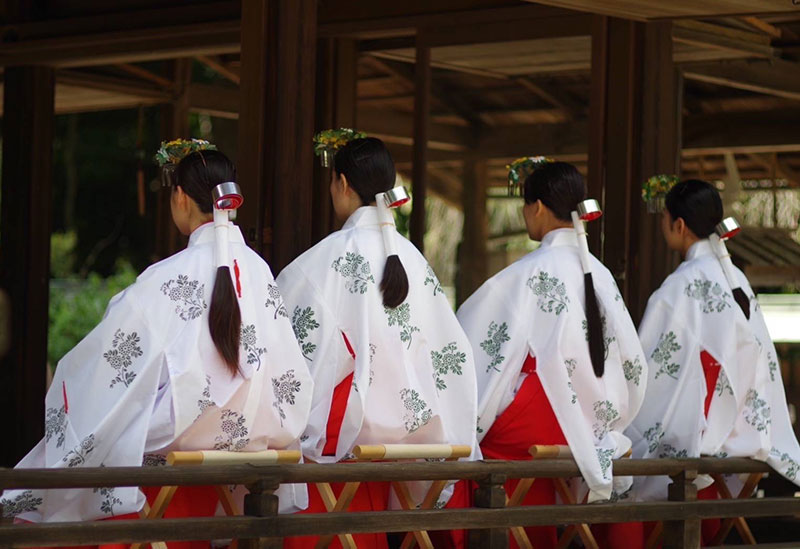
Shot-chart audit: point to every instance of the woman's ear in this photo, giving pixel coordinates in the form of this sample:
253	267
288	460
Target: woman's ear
539	209
679	225
345	185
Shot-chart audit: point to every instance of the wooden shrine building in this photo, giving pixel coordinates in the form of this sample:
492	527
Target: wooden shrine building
622	88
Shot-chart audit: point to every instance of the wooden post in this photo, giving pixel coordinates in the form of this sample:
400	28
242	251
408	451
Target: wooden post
276	126
25	224
634	133
174	124
262	502
490	495
335	108
473	256
422	119
679	534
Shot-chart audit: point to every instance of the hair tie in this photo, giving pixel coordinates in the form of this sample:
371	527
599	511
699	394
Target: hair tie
588	210
385	201
227	197
726	229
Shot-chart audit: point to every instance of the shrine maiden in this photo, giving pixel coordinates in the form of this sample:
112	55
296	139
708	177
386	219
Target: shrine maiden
714	384
197	354
389	359
556	353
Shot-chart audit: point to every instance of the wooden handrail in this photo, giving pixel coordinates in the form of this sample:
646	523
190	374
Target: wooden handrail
98	477
128	531
489	518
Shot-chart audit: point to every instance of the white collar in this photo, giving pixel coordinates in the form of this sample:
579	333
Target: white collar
698	249
365	216
560	237
205	233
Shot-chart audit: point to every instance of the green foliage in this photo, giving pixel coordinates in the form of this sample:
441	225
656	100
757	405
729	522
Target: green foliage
77	306
62	254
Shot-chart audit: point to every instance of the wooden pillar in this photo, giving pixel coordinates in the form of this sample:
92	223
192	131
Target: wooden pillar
25	224
174	125
473	256
634	133
276	126
490	495
422	113
335	108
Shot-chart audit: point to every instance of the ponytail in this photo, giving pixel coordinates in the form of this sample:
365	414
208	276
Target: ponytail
594	328
225	319
589	210
394	285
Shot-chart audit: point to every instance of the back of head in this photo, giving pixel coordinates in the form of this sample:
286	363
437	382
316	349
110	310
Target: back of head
369	170
197	174
368	167
560	187
696	202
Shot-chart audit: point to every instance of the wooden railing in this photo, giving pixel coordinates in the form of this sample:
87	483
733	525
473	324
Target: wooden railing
262	526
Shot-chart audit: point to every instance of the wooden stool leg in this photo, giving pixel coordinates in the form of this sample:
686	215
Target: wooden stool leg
520	491
655	536
431	497
583	529
739	522
157	510
345	498
407	503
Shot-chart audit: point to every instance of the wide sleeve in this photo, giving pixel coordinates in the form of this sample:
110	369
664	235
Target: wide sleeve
499	345
672	423
319	335
97	414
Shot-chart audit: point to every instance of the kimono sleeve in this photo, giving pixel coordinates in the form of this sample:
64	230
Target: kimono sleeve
97	413
671	423
500	345
320	338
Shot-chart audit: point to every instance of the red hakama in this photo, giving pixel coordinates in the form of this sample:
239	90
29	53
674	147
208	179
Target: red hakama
370	496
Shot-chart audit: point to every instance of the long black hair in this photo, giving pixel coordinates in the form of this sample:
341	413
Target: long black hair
560	187
698	203
369	169
197	174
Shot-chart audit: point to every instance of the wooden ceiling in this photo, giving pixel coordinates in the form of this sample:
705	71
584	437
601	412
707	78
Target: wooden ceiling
510	77
644	10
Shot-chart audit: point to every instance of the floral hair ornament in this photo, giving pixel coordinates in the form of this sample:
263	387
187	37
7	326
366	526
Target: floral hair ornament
655	189
172	152
725	230
520	169
327	142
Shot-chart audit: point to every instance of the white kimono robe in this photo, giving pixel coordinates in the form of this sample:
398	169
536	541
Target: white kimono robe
694	311
413	374
536	306
148	380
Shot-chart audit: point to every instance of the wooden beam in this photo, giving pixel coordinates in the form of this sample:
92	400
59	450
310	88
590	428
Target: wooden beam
508	31
570	108
422	120
755	132
219	67
763	26
127	86
398	127
145	74
379	20
774	77
448	98
708	35
25	224
213	99
128	46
